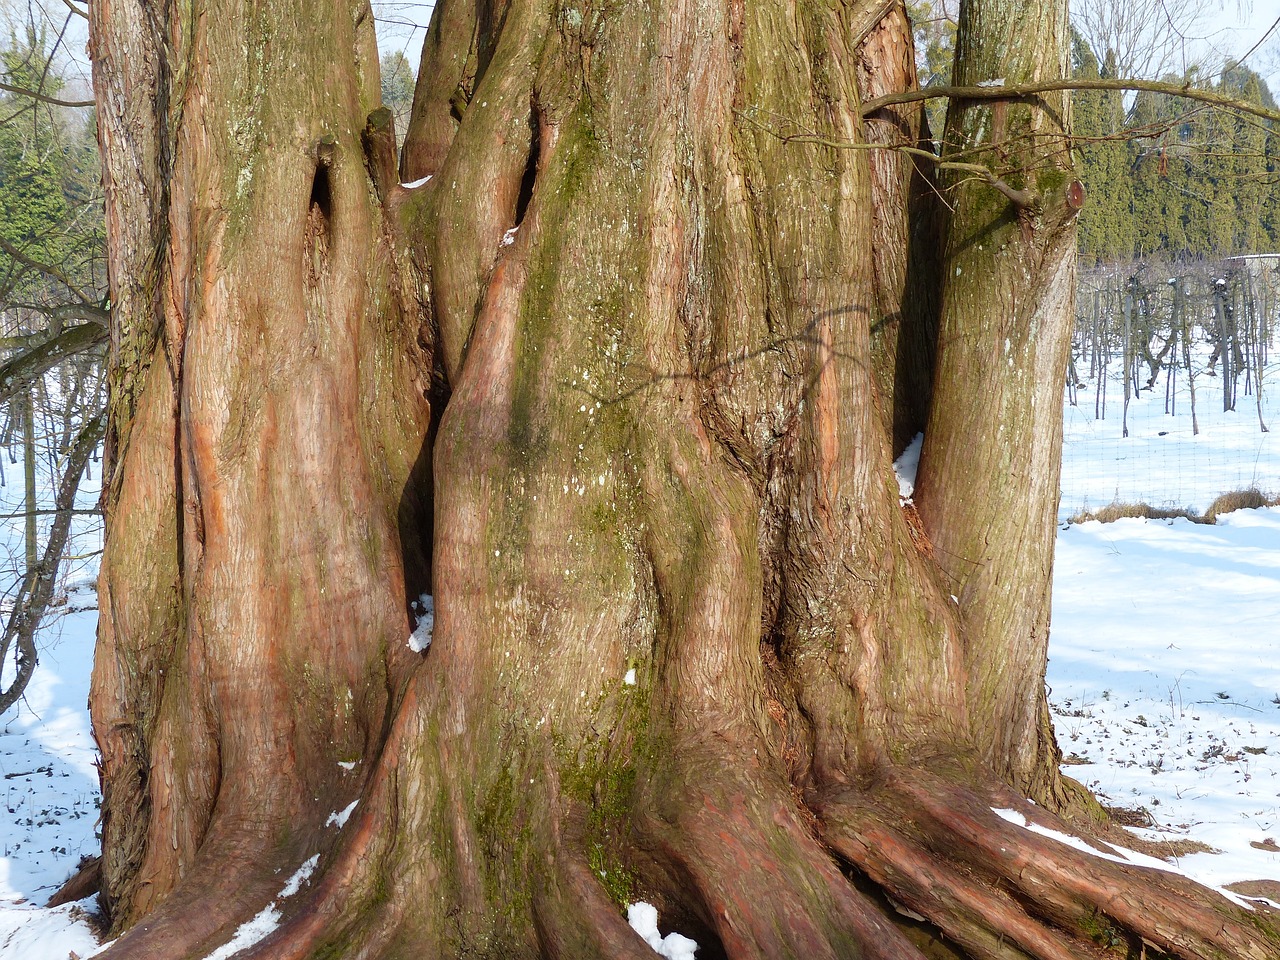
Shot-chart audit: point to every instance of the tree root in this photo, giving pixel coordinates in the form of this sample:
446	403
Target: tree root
985	921
762	883
756	878
236	878
229	883
574	917
335	900
960	857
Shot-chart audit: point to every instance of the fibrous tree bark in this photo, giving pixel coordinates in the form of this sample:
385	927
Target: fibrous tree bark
619	385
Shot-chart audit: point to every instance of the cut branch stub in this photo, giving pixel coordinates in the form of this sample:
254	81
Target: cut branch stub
1076	195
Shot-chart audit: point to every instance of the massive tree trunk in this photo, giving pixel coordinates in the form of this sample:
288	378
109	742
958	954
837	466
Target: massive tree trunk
619	385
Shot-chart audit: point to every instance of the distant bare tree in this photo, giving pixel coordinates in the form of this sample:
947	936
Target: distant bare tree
1148	38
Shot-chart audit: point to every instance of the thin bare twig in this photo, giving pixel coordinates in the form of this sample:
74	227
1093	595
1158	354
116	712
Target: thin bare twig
1022	198
46	269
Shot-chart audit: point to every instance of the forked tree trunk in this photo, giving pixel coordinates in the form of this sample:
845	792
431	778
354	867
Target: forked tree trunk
988	483
620	382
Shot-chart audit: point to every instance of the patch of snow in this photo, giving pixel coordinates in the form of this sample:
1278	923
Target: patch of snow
268	919
905	467
28	931
348	765
249	933
1118	854
420	639
301	876
340	818
413	185
630	678
509	237
1164	678
643	918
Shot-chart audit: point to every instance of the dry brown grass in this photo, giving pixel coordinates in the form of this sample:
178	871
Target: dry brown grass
1118	511
1250	499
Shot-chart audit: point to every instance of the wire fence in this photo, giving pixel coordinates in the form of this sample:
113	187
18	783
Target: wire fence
1174	385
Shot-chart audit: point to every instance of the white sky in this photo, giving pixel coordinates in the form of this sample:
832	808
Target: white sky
403	23
1245	27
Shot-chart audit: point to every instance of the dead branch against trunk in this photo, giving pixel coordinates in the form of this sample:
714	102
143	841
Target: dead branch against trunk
620	387
19	372
994	89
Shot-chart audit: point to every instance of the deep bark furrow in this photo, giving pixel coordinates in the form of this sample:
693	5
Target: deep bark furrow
905	210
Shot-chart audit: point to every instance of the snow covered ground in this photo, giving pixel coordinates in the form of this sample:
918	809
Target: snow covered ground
49	794
1164	668
1164	654
1164	677
48	781
1162	461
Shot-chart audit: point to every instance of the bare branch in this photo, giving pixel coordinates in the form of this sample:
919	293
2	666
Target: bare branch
36	591
19	372
76	10
1022	198
1151	36
1018	91
61	313
44	97
46	269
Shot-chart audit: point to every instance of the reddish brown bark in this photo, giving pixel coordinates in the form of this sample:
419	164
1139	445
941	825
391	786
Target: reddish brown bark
607	382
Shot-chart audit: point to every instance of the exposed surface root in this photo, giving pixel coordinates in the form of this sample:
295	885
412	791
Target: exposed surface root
206	909
332	905
231	882
988	882
986	922
574	917
765	886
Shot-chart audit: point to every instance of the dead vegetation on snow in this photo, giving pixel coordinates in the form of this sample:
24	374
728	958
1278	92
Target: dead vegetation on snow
1248	499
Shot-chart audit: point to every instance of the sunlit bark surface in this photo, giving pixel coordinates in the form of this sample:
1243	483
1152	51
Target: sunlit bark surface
620	385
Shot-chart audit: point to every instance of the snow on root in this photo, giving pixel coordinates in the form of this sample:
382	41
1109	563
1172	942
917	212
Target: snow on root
643	918
256	929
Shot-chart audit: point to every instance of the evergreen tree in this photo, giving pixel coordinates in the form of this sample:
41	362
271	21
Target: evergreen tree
33	207
397	89
1248	162
1106	226
933	24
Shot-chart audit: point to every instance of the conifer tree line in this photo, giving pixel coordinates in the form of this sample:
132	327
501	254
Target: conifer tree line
1170	179
1166	178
